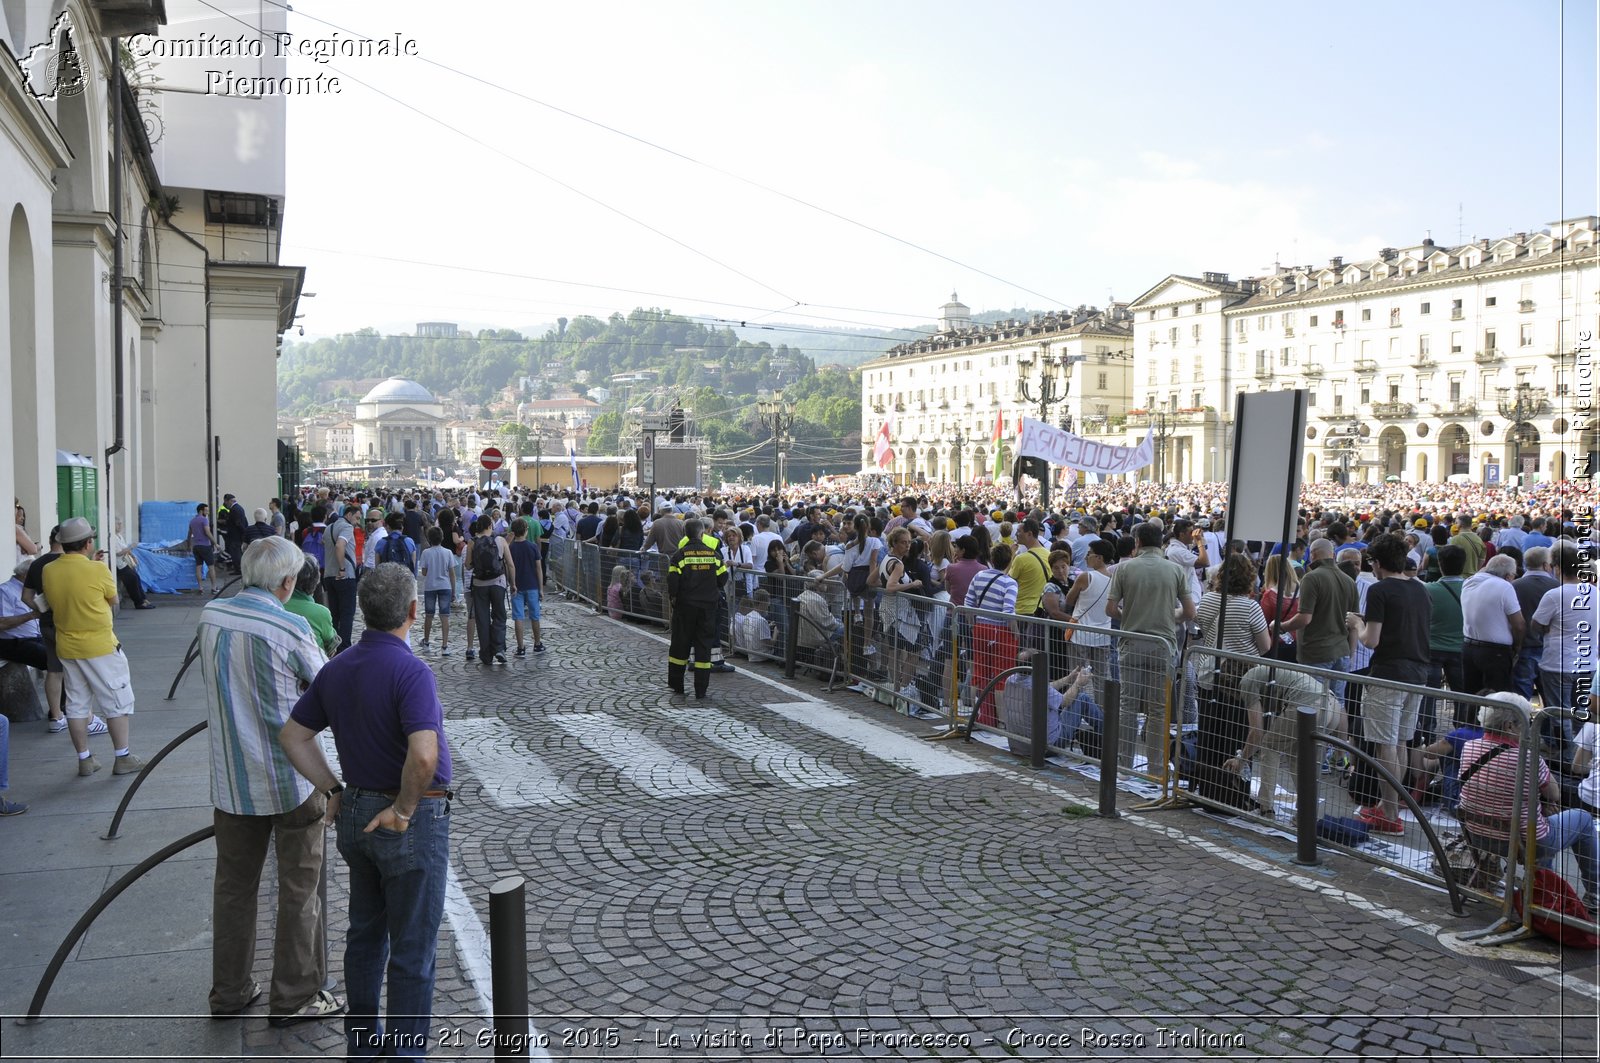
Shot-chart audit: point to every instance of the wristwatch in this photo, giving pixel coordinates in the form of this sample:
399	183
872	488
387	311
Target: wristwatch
336	788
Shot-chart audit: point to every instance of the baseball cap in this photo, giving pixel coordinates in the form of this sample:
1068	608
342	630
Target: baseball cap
75	530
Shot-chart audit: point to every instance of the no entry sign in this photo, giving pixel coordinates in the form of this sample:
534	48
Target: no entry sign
491	458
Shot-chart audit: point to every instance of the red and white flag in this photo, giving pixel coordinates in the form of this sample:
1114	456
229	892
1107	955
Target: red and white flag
882	452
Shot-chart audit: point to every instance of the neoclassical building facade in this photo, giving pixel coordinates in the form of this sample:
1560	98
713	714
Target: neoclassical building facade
1422	364
399	422
944	395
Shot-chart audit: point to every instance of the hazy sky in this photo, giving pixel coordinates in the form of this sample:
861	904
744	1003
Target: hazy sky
1055	153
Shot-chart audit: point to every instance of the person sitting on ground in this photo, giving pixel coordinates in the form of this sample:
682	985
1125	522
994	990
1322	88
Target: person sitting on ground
1073	712
752	634
619	591
819	625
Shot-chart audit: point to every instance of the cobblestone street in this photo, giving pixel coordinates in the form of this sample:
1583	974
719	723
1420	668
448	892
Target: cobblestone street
780	873
768	875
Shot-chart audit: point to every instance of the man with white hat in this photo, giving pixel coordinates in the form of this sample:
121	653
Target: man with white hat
83	596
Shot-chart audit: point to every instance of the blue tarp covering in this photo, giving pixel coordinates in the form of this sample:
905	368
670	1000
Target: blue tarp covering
163	573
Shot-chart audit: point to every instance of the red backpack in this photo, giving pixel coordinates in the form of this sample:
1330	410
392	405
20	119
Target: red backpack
1554	893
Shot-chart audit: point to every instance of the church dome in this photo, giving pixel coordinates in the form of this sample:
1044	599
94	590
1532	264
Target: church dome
399	390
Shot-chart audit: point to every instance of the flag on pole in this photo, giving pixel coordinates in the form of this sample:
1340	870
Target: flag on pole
577	482
999	430
882	452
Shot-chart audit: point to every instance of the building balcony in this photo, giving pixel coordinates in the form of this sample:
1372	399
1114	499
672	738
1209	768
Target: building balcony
1288	333
1263	372
1311	369
1489	357
944	404
1464	408
1188	415
1525	306
1425	361
1393	411
1456	315
1366	365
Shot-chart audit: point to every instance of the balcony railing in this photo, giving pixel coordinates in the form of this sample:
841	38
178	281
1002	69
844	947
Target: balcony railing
1425	361
1525	305
1263	372
1312	369
1489	357
1456	315
1186	416
1366	365
1393	411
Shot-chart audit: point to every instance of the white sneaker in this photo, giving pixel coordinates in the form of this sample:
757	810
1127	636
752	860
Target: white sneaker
97	726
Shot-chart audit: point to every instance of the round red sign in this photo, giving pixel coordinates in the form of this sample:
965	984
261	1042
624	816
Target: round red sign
491	458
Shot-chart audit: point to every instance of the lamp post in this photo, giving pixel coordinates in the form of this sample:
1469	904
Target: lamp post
1163	432
1213	464
1515	405
777	417
955	438
1052	390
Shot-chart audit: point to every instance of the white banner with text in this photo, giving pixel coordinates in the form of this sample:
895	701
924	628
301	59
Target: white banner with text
1060	447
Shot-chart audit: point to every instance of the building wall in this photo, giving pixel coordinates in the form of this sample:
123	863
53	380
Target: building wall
958	385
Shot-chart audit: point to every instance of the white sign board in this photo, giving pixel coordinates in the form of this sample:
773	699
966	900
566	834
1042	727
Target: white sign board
1264	489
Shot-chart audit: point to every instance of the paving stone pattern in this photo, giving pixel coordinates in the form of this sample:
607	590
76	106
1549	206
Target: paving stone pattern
883	915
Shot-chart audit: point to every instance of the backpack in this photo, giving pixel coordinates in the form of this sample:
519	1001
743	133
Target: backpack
487	564
312	546
397	548
1554	893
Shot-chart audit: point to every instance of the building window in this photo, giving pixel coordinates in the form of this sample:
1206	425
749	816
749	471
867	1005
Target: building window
1172	336
1394	392
1366	313
1261	323
1199	308
1394	317
1174	311
1338	353
1311	400
1455	389
1424	345
1338	319
1427	308
1101	377
1194	333
1283	356
1489	340
1313	320
1338	403
1455	309
1152	341
1525	336
1491	301
1424	387
1455	343
1366	394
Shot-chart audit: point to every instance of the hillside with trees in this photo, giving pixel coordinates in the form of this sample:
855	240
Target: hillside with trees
648	356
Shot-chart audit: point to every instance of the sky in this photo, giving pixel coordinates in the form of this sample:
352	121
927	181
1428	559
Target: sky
853	163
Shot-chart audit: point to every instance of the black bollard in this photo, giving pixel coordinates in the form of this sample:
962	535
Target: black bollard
791	639
1307	772
1110	733
508	963
1038	738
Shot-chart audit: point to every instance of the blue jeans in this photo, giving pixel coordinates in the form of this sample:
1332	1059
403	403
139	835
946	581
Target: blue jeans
1338	664
5	752
396	902
1574	829
1525	670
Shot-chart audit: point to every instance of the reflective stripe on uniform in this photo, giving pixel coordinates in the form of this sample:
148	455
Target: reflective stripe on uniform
673	660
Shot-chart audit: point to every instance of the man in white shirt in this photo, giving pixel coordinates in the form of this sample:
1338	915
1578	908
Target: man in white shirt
1492	626
760	542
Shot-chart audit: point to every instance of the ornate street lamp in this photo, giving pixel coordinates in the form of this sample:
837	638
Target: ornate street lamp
1162	431
1051	390
777	417
957	439
1516	405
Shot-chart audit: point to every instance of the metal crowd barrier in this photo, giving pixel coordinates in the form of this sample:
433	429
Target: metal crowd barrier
1272	791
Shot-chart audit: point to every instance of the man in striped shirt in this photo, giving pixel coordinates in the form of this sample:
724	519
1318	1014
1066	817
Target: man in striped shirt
256	657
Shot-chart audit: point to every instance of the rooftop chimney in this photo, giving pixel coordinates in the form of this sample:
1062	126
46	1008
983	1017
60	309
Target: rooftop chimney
1336	262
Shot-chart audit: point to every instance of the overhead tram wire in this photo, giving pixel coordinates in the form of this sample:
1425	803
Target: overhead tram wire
520	162
691	160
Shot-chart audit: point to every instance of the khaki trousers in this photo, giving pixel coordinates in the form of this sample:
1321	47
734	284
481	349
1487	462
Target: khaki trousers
298	953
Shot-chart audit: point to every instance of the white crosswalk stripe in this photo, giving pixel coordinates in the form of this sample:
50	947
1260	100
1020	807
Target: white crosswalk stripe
766	754
907	752
648	765
511	776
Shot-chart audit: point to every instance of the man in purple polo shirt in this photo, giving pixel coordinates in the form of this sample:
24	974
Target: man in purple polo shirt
393	812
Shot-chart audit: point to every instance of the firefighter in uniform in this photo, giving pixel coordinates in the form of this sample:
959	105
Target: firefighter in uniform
696	575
